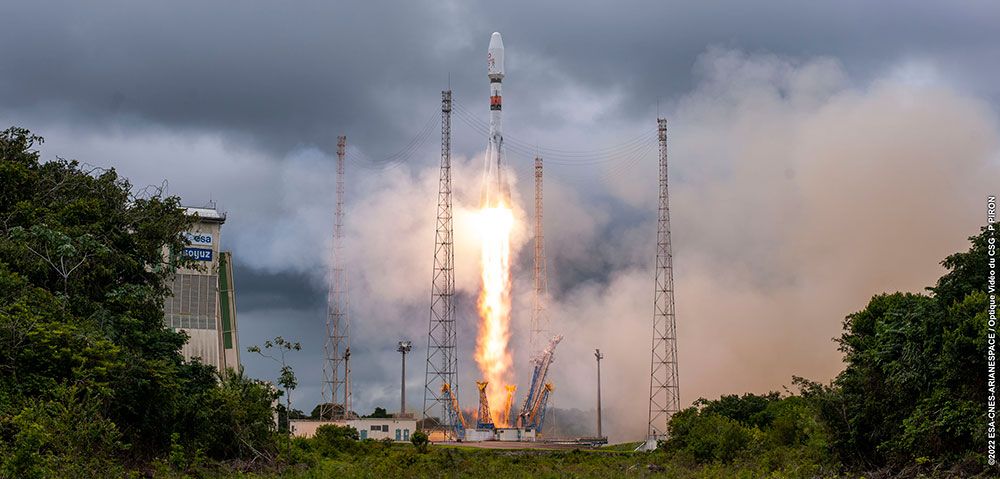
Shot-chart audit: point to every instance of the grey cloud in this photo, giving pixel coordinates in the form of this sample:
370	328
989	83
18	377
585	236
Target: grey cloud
768	103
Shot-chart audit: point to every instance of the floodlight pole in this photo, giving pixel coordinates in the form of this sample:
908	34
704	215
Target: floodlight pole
404	347
599	356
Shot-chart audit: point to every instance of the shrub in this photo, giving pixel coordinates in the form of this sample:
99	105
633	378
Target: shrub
331	439
63	437
420	441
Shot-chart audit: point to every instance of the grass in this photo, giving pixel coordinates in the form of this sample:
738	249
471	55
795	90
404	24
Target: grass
624	446
402	460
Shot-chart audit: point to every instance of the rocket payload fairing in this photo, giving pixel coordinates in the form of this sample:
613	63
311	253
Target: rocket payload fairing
496	190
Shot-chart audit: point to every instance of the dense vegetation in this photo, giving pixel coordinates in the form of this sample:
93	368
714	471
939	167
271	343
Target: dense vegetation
911	398
92	384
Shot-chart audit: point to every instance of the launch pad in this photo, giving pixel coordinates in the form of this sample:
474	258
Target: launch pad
526	425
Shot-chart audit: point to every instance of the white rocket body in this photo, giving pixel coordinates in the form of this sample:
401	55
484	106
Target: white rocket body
496	190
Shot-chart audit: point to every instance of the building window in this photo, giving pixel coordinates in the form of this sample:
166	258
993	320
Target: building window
385	428
376	428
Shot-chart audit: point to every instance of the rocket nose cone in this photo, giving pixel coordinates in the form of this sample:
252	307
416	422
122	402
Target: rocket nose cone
496	41
495	56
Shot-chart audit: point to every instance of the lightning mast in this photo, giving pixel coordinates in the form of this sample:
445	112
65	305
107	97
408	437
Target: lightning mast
337	347
440	385
664	396
539	320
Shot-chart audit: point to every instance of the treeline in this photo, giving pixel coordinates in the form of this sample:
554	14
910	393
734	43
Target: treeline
92	383
911	399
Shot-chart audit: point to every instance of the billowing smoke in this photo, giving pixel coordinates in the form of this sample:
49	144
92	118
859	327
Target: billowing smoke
797	193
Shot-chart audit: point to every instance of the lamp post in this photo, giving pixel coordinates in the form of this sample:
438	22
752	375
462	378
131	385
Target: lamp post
599	356
404	347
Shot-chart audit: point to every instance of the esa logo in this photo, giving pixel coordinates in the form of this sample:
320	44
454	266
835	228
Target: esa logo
198	254
199	238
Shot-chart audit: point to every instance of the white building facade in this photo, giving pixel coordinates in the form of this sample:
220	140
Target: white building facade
203	303
396	429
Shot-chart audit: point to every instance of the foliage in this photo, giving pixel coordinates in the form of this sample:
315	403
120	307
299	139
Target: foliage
66	436
420	441
286	376
333	410
913	385
769	430
331	439
379	413
90	378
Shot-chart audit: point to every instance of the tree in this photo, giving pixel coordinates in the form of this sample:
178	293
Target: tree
286	376
331	439
912	384
379	413
84	252
420	441
84	263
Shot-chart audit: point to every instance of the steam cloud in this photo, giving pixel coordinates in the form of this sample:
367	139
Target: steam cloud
796	194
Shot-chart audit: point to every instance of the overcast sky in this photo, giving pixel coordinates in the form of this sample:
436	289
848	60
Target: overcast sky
821	152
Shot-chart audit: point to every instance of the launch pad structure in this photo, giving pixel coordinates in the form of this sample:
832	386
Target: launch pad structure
441	415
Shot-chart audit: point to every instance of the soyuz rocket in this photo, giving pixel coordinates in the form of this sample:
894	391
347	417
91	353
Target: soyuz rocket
496	190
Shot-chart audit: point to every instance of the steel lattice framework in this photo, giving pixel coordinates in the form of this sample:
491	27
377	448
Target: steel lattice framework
337	347
664	396
539	334
442	356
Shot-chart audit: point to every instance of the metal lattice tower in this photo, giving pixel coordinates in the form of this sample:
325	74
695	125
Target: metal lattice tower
539	334
337	347
664	396
442	357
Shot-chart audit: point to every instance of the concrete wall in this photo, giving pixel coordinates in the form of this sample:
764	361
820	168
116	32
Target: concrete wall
397	429
307	427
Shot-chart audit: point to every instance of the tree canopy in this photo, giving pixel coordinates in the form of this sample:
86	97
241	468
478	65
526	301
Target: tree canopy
84	259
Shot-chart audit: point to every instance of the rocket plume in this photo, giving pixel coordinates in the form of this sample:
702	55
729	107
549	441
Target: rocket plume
495	224
492	344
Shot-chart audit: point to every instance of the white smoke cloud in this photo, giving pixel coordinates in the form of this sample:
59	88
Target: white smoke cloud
796	194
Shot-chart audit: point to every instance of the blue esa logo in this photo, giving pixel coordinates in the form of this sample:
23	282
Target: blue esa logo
198	254
199	238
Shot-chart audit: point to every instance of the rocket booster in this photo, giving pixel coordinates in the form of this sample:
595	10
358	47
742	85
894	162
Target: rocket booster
496	190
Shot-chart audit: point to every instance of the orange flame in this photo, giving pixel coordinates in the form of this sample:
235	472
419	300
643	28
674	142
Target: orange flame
492	345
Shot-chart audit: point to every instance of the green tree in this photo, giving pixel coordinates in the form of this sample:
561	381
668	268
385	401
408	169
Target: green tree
420	441
95	244
379	413
84	263
286	375
331	439
912	385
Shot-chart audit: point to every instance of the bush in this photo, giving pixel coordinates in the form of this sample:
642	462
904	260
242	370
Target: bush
331	439
420	441
63	437
708	437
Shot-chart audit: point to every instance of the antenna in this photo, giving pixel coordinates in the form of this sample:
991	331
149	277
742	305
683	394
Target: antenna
664	395
337	347
440	380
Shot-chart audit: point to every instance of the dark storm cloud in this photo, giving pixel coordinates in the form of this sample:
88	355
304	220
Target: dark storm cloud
288	74
261	289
